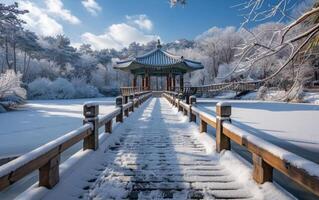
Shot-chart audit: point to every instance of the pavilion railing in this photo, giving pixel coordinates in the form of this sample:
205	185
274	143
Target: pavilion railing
127	91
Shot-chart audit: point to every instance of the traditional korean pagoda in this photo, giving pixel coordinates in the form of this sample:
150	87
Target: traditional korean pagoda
158	63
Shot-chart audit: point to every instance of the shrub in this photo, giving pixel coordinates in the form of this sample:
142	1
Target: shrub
40	89
84	90
11	92
61	88
261	93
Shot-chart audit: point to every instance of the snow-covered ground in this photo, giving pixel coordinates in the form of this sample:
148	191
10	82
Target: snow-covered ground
272	95
291	126
39	122
311	97
154	154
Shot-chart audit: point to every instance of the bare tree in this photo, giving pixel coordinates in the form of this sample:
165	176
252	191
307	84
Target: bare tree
297	40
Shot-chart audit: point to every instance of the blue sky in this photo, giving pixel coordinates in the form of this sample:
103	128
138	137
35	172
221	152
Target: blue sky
169	23
116	23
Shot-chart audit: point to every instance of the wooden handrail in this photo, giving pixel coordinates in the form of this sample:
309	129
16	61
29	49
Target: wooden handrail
5	160
46	158
278	158
236	86
266	156
27	163
127	91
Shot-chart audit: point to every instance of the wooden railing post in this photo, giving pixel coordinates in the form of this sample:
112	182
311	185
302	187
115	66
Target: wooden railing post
176	98
126	112
132	100
91	113
223	112
49	173
192	101
136	103
187	99
202	126
184	111
179	108
125	99
119	104
262	171
108	127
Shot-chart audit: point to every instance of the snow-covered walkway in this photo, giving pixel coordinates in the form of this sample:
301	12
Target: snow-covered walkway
155	154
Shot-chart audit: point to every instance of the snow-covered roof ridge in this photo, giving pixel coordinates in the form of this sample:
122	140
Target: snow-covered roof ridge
159	58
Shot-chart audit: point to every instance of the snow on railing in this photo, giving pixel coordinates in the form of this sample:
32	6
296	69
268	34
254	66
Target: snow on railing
235	86
46	158
7	159
127	91
266	156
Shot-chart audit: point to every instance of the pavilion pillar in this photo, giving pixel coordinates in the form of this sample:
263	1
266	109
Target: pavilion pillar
167	82
134	81
170	82
143	82
181	82
173	83
147	82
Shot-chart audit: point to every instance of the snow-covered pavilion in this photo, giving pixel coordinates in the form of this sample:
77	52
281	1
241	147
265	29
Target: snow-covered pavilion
158	62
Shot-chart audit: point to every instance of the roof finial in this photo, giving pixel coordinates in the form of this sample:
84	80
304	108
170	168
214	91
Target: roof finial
159	44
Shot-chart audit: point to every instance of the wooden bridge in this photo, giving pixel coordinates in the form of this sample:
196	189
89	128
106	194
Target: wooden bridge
151	150
206	89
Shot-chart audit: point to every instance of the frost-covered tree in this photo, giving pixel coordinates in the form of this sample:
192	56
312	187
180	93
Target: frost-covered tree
58	51
267	57
10	29
30	48
11	92
220	46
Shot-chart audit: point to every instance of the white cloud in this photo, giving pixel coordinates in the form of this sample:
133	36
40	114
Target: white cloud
117	36
42	20
38	21
56	7
76	44
92	6
142	21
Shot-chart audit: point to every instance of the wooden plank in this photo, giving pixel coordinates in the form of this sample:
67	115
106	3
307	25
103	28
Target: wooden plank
27	168
103	120
222	141
262	171
208	120
108	127
37	162
233	136
297	174
49	173
6	160
202	126
67	144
